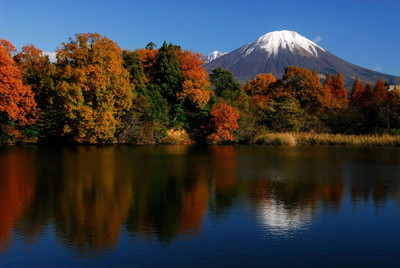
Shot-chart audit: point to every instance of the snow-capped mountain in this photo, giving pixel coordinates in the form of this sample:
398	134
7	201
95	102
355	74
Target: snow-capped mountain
275	51
274	42
214	55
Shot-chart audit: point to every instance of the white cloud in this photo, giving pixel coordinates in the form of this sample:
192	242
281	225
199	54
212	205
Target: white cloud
52	55
378	68
317	39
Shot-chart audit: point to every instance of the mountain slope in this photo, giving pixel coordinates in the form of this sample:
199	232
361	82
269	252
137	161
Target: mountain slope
275	51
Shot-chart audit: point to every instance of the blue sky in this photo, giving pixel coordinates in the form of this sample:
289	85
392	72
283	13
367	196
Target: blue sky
364	32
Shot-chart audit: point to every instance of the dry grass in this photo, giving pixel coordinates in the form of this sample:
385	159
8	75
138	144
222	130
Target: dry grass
177	136
282	139
327	139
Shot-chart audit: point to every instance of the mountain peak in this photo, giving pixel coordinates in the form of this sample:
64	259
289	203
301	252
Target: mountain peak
275	51
214	55
274	41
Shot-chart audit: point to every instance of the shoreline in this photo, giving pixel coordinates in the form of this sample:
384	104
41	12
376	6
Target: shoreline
269	139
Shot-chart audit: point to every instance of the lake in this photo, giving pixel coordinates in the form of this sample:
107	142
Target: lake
199	206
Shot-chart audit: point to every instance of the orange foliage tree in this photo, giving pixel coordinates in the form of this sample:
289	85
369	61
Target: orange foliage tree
379	94
16	100
306	87
223	122
258	89
259	85
148	58
334	88
95	88
357	93
196	86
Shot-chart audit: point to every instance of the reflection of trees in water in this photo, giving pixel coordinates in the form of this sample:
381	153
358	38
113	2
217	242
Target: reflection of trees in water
17	187
94	198
90	193
173	196
378	191
223	171
290	190
48	168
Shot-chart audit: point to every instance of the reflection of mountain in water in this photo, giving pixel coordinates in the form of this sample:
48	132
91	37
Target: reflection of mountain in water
90	194
279	219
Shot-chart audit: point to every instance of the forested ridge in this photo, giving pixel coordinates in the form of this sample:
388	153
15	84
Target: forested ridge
98	93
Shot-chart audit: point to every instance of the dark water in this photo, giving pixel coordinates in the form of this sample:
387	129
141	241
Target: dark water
216	206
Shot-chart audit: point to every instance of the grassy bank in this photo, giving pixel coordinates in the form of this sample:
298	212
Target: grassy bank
292	139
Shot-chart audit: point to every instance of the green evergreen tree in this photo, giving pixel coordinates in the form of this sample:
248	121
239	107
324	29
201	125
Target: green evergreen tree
135	68
168	75
224	84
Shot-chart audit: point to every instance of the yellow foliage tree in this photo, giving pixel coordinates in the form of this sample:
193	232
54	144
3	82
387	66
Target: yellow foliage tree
94	86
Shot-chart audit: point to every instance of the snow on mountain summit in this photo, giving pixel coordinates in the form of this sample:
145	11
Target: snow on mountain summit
274	41
275	51
214	55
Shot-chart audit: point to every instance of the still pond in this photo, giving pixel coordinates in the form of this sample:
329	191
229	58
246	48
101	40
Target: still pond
199	206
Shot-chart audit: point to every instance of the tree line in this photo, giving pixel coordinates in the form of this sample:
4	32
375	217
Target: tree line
98	93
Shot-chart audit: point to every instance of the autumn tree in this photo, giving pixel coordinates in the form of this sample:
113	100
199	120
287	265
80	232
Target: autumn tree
259	85
357	93
195	86
336	94
306	87
339	92
379	94
223	123
393	109
258	89
17	104
94	87
37	72
148	58
40	74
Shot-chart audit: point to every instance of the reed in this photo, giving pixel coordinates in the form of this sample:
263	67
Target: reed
291	139
286	139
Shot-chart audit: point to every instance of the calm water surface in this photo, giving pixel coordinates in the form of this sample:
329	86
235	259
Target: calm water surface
215	206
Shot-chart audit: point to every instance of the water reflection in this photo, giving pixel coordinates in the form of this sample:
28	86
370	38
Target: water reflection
17	187
92	194
279	220
94	198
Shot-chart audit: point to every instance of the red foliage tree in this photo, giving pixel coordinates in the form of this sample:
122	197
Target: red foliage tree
223	122
16	100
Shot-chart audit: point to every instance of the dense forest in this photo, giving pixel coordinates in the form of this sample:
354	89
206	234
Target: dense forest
97	93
